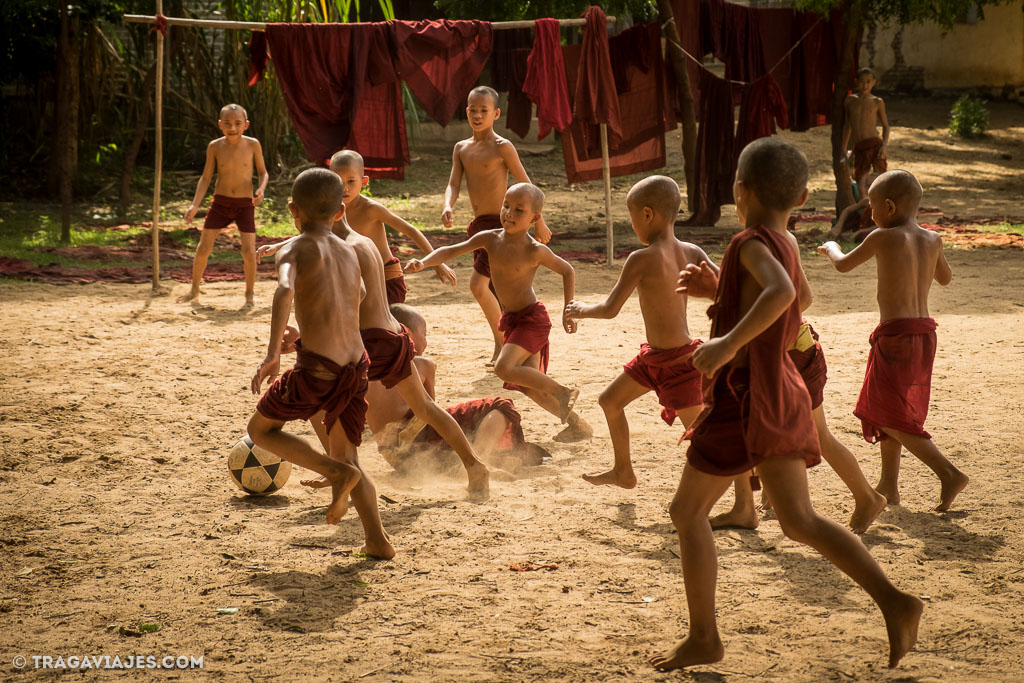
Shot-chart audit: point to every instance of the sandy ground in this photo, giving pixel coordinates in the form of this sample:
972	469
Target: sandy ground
117	409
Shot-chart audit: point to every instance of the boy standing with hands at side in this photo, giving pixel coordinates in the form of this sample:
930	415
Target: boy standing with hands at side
893	402
514	258
864	111
663	364
234	156
758	412
485	159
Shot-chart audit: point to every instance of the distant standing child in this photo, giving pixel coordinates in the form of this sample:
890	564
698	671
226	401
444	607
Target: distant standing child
514	259
864	112
663	364
234	157
368	217
758	413
319	273
897	384
485	159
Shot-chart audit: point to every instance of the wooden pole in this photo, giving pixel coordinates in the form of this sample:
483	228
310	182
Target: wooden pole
606	170
158	163
261	26
687	109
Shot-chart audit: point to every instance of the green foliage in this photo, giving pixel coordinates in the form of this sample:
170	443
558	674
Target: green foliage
968	118
516	10
943	12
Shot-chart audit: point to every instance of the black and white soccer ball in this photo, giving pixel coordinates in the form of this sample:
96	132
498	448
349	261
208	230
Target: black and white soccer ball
255	470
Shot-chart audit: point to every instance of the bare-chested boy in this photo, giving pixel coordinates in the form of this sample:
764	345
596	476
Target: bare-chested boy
663	364
234	156
493	424
757	411
893	402
319	273
368	217
391	350
485	159
864	112
514	258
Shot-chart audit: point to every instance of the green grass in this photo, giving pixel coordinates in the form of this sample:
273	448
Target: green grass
1002	228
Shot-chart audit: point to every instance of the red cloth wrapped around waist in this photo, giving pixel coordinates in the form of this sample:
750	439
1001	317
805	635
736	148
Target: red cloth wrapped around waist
232	202
669	373
390	353
469	414
528	328
898	378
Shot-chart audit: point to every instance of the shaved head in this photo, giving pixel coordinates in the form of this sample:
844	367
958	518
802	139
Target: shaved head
417	324
317	193
347	158
484	90
775	171
531	191
899	187
658	192
228	108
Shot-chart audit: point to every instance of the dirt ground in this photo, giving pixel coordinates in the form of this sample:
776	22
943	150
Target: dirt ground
117	409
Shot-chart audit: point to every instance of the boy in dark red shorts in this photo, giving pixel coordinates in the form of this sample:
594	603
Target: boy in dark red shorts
320	273
234	157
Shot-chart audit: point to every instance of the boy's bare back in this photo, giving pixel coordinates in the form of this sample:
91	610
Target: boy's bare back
328	290
373	310
366	217
658	267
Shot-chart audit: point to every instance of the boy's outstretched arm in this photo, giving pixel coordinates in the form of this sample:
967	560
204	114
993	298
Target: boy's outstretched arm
844	263
610	307
444	273
261	174
515	167
451	193
943	273
439	256
268	250
280	312
559	265
777	293
203	184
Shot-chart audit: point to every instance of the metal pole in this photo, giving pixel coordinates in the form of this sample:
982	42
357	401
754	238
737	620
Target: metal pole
607	172
158	164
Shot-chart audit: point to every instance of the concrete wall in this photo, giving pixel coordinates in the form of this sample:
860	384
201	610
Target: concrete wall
989	53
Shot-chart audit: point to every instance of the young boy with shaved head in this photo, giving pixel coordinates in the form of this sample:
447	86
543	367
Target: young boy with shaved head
664	363
368	217
758	413
514	258
485	159
234	157
893	401
319	273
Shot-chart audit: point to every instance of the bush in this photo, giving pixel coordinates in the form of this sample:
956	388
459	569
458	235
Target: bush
968	118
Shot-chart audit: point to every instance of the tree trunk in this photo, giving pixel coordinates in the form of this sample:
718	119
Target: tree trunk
66	114
145	98
853	12
686	105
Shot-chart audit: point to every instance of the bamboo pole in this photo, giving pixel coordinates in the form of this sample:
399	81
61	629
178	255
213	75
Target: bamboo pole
261	26
606	171
158	163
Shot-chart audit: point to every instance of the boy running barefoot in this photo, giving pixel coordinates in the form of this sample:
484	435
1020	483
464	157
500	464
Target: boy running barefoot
514	258
864	112
893	402
233	156
320	274
485	159
758	413
663	364
368	217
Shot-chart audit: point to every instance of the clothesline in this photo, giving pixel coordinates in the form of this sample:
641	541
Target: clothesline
262	26
700	63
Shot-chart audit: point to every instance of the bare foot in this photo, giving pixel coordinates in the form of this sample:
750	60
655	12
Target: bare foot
192	295
735	519
566	402
381	550
891	493
578	430
951	488
250	300
321	483
901	621
623	479
342	484
866	513
479	482
689	652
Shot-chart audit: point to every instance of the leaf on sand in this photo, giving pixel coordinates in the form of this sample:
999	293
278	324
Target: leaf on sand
130	632
227	610
150	628
361	583
531	567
